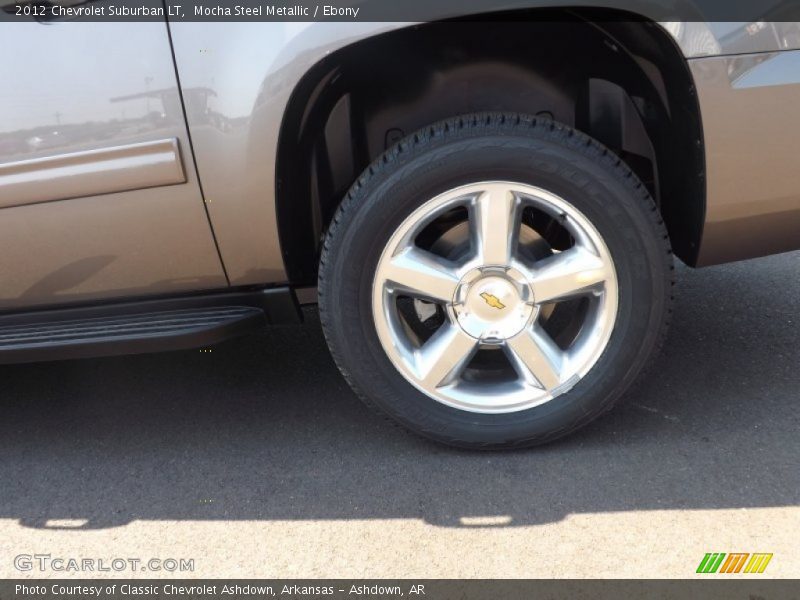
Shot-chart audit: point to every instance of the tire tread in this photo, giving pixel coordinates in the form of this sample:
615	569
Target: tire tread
510	123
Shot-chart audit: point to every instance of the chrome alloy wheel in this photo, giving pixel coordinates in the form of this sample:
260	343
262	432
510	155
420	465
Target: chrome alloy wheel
495	297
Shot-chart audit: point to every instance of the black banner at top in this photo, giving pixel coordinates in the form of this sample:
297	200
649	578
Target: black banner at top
394	10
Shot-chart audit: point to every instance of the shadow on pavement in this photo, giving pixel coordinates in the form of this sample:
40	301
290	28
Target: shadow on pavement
265	428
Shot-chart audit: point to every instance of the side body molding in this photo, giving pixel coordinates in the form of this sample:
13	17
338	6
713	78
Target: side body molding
92	172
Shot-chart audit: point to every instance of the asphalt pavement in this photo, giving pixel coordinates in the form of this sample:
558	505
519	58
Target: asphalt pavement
255	459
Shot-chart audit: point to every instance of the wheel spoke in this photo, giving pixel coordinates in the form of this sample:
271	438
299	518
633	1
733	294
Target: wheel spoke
567	274
442	358
496	225
422	274
536	357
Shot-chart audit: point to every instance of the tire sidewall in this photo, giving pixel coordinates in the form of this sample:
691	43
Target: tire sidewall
423	170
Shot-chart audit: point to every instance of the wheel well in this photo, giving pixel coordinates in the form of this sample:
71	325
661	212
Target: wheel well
622	81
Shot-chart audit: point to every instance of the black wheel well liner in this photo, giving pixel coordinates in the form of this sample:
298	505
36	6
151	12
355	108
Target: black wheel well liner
615	76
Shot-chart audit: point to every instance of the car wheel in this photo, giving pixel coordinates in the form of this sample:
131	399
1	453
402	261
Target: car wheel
495	280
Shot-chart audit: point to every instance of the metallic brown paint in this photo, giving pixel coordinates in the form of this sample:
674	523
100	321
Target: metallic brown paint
751	119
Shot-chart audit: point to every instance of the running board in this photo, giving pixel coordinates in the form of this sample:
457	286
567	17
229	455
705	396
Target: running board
132	328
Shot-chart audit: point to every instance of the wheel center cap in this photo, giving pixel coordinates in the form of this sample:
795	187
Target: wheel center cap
493	303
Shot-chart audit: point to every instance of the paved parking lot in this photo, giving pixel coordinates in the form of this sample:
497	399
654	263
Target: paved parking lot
257	460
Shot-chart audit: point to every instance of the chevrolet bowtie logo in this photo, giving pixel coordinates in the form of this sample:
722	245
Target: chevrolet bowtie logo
492	301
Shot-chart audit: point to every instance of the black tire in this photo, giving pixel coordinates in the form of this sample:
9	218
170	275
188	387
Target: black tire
495	146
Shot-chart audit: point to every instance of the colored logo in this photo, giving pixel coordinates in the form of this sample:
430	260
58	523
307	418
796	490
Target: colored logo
492	300
736	562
